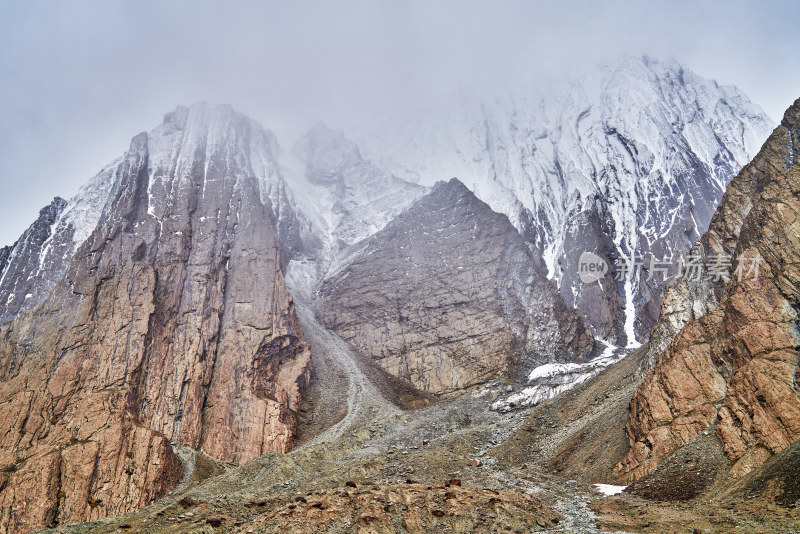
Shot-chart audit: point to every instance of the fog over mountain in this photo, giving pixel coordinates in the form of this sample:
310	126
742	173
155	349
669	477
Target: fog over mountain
76	79
399	267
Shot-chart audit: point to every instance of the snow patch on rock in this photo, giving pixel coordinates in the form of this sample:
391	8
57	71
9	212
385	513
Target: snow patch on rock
551	379
608	489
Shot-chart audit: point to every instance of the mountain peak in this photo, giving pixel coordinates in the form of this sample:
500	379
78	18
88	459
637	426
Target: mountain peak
180	115
326	153
462	268
612	135
209	122
453	184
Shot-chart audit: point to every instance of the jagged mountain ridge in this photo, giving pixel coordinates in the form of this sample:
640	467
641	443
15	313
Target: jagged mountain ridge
726	352
340	197
310	211
551	164
642	148
30	267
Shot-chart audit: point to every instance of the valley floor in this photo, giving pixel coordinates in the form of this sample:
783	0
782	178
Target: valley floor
450	465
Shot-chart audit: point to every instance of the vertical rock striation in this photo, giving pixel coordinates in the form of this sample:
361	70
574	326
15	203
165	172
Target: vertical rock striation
171	325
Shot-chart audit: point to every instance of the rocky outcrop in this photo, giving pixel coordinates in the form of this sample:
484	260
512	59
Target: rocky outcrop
732	368
171	325
599	302
448	295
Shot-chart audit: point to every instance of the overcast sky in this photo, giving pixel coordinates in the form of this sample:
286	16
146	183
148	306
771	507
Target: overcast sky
78	79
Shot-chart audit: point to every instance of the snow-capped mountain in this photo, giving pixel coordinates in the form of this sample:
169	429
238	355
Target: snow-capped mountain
170	325
340	197
156	308
625	161
30	267
638	153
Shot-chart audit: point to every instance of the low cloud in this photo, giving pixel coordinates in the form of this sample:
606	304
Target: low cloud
79	79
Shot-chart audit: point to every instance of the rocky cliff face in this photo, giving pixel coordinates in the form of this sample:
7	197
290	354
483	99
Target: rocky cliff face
651	142
732	367
600	303
171	325
448	295
22	266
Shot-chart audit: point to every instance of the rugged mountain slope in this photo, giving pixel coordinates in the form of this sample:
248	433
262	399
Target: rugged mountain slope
150	311
448	295
361	198
732	369
30	268
171	325
28	247
636	156
339	199
641	150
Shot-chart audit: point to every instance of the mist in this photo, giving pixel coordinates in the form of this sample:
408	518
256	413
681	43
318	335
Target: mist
79	79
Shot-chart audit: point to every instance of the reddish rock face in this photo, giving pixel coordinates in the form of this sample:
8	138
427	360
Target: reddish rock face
733	370
172	325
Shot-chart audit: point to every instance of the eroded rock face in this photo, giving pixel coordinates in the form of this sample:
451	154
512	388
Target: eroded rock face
171	325
448	295
599	302
732	368
31	267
